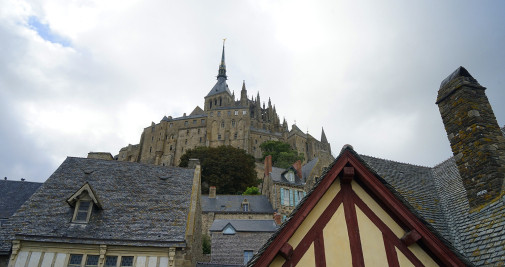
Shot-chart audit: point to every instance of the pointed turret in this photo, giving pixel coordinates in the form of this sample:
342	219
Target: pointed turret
323	136
258	106
243	95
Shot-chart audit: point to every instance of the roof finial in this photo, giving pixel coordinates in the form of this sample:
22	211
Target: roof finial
222	66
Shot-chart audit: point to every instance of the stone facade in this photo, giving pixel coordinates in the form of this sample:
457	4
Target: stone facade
476	140
229	249
242	123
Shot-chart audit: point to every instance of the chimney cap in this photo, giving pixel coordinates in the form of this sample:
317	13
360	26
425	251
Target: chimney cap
193	163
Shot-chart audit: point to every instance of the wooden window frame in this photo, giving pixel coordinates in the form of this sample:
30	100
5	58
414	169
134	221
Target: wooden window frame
76	210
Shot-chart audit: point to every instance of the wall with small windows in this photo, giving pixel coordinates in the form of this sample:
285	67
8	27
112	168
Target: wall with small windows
43	254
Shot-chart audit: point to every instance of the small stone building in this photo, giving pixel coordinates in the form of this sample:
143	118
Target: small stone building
236	241
94	212
233	207
12	195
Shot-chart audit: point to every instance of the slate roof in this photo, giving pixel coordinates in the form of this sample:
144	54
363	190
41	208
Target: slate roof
143	205
13	194
439	198
220	87
165	118
245	225
479	235
308	167
277	176
416	184
233	204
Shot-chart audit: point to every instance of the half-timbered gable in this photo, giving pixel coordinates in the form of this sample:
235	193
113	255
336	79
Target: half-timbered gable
353	217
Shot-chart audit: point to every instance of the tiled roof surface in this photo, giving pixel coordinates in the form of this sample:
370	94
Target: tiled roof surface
308	167
143	205
277	176
245	225
479	235
13	194
415	184
220	87
233	204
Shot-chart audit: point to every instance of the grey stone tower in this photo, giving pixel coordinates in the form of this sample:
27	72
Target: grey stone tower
476	140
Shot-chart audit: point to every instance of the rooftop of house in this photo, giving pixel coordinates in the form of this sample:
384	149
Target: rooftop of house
278	175
233	204
245	225
437	197
13	194
141	205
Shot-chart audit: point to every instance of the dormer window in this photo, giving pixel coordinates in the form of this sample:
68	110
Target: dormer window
83	202
229	230
245	205
290	176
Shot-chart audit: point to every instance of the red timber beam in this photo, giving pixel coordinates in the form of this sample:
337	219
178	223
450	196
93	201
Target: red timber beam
351	218
292	225
433	243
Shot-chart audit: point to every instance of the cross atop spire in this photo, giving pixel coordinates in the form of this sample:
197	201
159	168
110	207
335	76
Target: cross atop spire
222	66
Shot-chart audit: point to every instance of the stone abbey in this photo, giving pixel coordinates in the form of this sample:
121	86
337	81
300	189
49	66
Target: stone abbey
242	123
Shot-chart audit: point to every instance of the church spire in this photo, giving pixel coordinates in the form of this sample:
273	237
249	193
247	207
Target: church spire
243	95
222	66
323	137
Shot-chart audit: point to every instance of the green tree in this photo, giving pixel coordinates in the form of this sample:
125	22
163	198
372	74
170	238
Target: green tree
283	155
253	190
230	169
206	247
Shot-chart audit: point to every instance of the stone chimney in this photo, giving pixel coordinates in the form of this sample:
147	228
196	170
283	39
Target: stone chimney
212	192
100	155
298	167
277	218
476	140
193	163
268	165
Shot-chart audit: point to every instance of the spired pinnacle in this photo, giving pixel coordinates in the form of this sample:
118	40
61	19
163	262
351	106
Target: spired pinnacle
222	66
323	136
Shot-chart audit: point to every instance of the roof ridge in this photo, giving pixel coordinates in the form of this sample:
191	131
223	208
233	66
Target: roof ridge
443	162
395	161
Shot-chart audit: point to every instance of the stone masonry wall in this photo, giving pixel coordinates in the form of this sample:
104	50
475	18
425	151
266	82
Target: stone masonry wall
229	249
476	140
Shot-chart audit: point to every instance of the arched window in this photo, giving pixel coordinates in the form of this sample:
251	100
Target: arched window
220	101
222	124
210	103
233	123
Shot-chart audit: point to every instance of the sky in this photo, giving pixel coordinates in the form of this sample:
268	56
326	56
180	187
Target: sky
87	75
